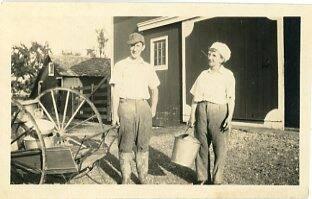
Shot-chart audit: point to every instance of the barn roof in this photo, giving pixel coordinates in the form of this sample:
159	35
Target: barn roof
76	66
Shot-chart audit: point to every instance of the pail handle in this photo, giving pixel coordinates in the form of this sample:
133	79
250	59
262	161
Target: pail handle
187	128
184	132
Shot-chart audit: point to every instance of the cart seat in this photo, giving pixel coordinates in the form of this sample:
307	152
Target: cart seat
59	160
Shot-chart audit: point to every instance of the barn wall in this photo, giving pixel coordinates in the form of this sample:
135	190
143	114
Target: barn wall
169	110
253	42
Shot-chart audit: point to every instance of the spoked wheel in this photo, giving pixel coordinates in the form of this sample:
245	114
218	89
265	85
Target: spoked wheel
28	165
75	120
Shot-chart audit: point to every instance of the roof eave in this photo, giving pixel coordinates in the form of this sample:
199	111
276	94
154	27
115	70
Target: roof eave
161	21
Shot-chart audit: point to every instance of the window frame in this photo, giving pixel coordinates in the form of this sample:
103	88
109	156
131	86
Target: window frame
152	55
51	71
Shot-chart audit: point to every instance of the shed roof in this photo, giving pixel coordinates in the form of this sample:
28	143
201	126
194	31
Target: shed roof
76	66
97	67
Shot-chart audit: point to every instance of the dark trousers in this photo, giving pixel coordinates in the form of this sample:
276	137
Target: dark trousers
135	125
209	118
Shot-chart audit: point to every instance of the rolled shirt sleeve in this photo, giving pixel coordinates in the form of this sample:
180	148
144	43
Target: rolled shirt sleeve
196	89
230	89
153	81
116	75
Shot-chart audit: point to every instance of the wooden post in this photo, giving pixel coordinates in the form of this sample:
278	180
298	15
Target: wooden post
108	97
92	89
72	102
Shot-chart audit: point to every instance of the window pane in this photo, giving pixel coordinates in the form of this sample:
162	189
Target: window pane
159	52
164	53
155	56
159	55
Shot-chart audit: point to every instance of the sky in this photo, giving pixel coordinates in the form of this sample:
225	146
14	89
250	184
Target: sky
70	33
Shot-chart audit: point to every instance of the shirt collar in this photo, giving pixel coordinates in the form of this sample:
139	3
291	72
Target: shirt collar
139	60
221	69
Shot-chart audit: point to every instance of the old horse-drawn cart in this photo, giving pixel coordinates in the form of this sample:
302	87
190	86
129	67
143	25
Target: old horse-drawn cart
52	139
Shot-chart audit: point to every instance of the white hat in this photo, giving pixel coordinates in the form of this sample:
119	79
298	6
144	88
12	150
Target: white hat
223	49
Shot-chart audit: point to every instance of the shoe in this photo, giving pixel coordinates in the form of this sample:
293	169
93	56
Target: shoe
200	182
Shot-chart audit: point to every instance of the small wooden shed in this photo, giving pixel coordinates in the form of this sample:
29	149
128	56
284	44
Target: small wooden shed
78	73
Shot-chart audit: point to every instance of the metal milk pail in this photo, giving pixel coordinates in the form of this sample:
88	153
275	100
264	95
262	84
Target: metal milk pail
185	150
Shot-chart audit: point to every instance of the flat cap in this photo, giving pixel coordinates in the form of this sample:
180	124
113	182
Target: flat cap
135	38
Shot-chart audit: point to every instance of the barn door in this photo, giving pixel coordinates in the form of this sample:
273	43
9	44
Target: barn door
253	42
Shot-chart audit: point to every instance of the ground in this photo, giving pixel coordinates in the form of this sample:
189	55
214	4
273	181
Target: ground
256	156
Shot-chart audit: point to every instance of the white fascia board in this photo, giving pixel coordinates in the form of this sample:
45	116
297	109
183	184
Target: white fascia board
160	21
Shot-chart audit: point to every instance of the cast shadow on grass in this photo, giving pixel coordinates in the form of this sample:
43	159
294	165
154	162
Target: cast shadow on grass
158	160
110	165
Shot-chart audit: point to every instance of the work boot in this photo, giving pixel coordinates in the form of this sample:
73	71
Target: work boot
125	167
142	166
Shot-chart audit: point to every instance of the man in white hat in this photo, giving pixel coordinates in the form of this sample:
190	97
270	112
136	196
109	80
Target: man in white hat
212	111
131	80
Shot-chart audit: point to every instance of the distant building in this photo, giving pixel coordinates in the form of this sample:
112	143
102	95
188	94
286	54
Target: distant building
78	73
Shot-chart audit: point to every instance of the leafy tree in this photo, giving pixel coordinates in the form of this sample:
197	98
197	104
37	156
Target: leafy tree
102	41
25	65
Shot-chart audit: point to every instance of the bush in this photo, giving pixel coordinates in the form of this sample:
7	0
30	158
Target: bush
25	65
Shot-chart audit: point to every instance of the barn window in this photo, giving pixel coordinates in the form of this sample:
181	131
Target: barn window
51	69
159	53
39	87
59	81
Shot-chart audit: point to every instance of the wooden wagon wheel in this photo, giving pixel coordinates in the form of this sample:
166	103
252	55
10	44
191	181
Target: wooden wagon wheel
74	116
27	166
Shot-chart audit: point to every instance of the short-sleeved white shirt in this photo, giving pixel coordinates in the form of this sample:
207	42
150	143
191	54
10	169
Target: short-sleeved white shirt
214	86
132	78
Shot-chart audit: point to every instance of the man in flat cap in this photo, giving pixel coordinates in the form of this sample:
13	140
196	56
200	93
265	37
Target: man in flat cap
212	111
131	80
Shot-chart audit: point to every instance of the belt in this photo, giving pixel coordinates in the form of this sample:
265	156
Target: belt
127	99
208	102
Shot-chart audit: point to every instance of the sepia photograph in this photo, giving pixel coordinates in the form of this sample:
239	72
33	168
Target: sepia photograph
207	102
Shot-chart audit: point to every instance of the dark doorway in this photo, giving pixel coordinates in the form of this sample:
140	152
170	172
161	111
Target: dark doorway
292	71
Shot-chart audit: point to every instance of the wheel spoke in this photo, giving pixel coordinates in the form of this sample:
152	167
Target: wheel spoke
25	167
76	142
75	113
21	135
47	113
81	144
55	109
80	123
65	110
14	118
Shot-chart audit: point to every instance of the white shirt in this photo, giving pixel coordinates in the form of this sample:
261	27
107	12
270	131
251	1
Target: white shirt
132	78
214	86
